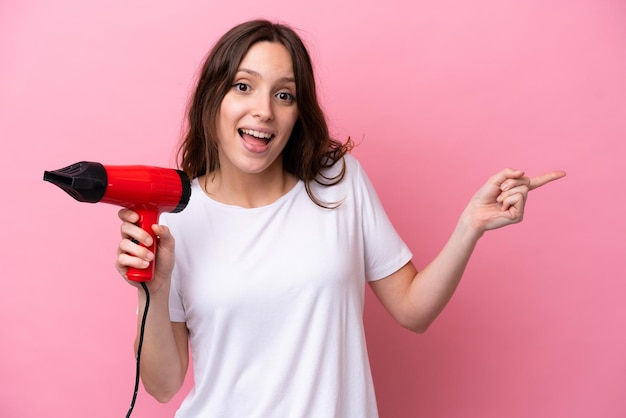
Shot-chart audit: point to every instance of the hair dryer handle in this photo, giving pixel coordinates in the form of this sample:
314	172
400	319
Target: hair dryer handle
147	218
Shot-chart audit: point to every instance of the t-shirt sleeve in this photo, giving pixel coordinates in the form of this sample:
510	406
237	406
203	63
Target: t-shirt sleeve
385	251
177	310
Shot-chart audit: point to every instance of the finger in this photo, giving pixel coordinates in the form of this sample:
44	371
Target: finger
127	261
539	181
128	215
514	205
132	231
165	238
503	176
519	189
512	183
128	246
162	231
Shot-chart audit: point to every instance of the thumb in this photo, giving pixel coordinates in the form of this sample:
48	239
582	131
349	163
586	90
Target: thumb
163	235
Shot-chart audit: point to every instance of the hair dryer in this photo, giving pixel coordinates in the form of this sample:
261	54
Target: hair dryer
149	191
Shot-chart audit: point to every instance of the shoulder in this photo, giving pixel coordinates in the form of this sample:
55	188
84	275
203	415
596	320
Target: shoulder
195	206
340	182
352	164
348	165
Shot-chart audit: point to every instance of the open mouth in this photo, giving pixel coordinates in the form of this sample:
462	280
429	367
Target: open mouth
250	135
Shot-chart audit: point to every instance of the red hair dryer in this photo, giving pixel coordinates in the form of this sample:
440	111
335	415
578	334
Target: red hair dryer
149	191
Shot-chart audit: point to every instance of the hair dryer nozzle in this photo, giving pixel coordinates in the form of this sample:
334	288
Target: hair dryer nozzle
84	181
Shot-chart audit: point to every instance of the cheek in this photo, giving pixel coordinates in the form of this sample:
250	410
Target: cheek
219	123
230	111
224	125
290	120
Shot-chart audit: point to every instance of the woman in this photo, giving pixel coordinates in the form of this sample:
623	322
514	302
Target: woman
281	235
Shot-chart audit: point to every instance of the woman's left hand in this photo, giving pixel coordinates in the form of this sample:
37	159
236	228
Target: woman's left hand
501	201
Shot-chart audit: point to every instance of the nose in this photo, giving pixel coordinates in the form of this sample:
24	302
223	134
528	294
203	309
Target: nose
263	107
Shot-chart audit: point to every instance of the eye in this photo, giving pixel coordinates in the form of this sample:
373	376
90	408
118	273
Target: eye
285	97
241	87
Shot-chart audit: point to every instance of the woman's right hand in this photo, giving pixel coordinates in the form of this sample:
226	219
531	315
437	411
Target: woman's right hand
131	254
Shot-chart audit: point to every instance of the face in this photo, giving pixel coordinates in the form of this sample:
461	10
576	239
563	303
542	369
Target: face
258	113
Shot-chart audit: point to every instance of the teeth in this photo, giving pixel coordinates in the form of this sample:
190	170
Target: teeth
262	135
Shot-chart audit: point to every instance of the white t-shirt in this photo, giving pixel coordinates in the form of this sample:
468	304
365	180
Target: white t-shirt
273	300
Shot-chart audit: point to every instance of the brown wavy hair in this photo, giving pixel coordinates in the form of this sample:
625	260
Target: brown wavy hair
309	149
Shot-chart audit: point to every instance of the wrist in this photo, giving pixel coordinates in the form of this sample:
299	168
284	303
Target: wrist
157	289
468	228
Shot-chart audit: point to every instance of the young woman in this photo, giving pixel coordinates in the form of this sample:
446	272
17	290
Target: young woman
281	235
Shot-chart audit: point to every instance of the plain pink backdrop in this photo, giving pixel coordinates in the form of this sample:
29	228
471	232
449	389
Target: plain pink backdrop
439	95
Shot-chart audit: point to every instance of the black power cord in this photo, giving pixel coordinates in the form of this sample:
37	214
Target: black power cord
139	345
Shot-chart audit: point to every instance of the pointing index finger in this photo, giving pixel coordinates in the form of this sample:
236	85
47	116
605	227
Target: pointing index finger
545	178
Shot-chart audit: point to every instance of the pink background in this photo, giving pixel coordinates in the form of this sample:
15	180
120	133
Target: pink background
440	95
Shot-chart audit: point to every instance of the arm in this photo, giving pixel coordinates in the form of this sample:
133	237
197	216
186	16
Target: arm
415	298
164	358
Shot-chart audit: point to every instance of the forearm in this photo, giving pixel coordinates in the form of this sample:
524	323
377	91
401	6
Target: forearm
431	289
163	361
416	299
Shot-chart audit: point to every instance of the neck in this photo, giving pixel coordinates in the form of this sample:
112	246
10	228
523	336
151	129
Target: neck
245	189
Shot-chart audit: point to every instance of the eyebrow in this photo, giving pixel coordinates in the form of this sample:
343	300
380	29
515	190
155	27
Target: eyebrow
257	74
